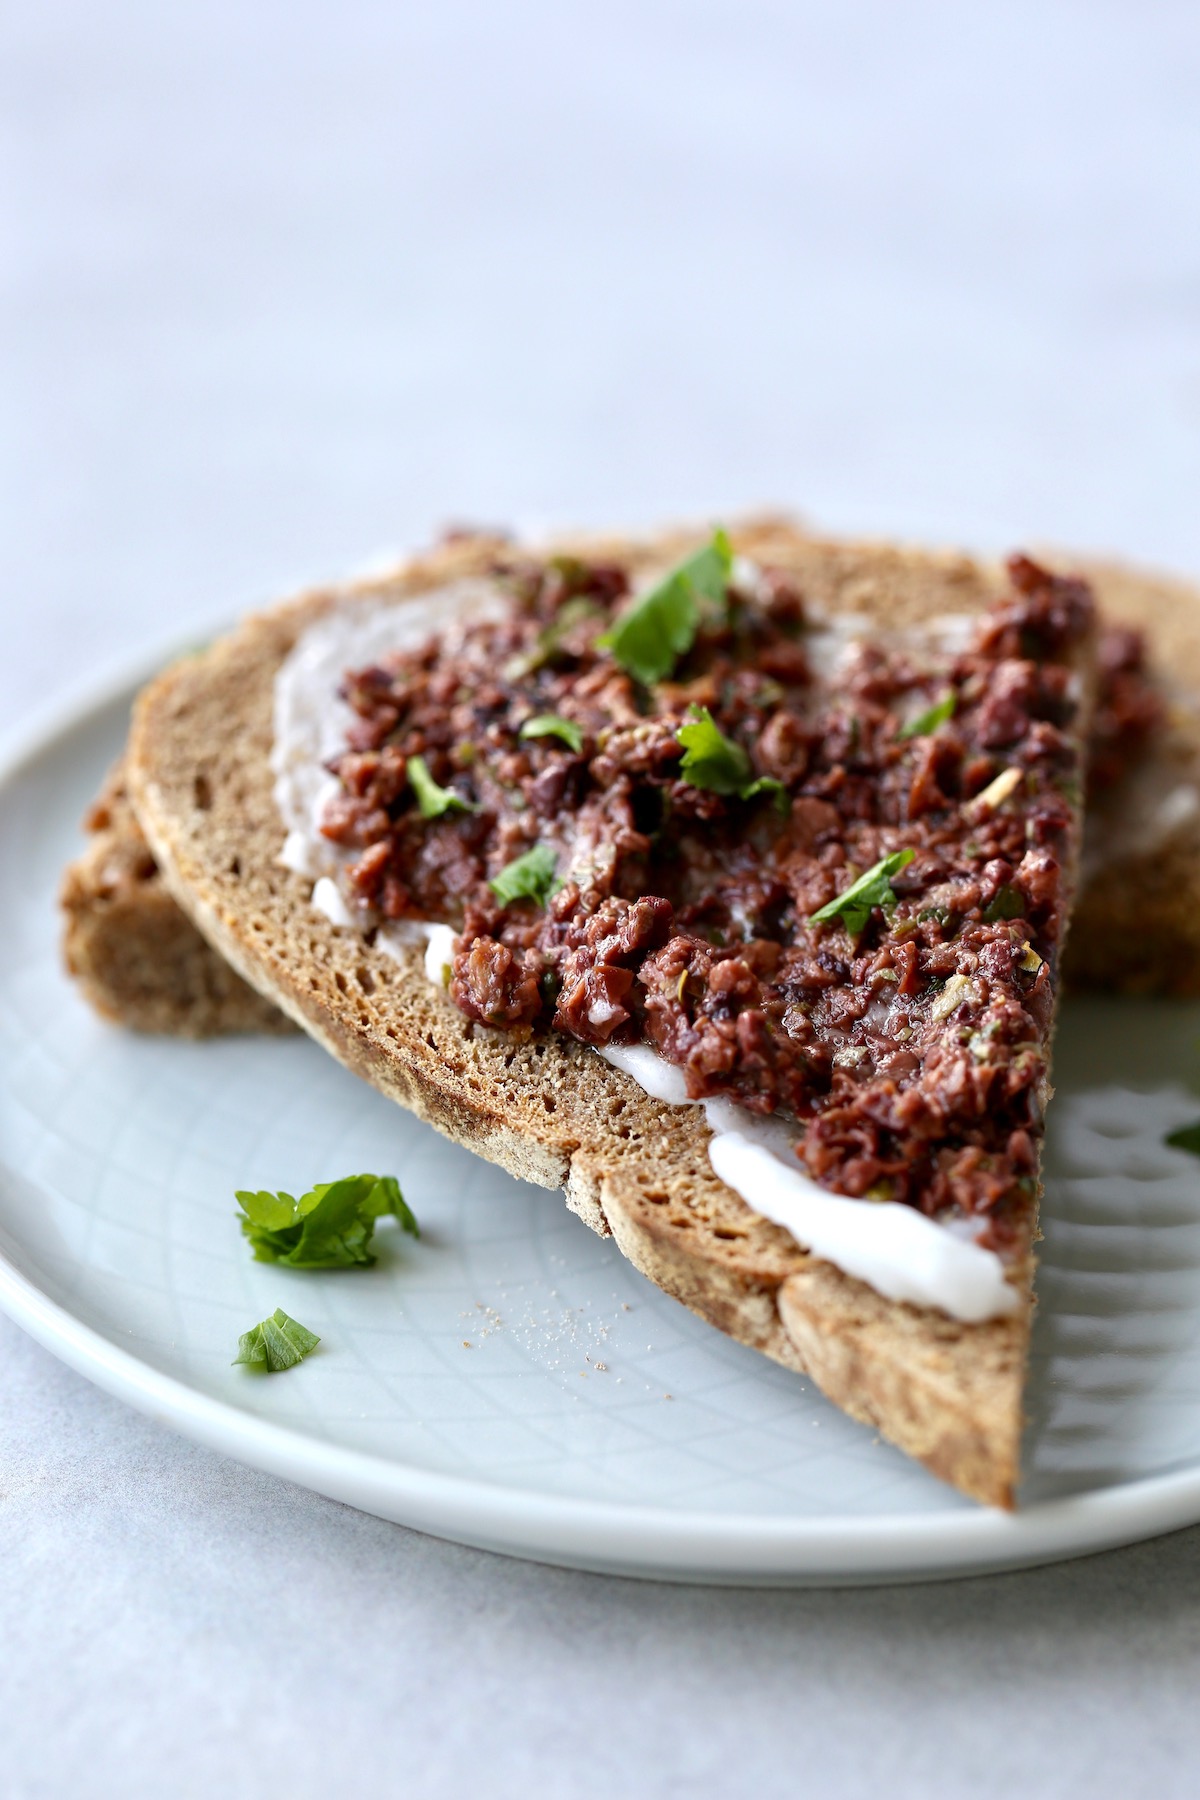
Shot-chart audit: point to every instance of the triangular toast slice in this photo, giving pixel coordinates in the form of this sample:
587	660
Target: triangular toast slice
550	1109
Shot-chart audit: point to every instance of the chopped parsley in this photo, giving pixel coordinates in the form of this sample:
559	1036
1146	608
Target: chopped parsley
1009	903
277	1343
660	627
527	877
713	761
554	725
931	718
434	801
1187	1137
710	759
873	888
330	1227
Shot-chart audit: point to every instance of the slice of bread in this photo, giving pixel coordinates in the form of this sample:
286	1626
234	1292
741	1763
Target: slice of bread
1136	928
137	957
551	1110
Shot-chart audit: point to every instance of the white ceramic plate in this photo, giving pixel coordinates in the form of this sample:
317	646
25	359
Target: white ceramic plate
509	1381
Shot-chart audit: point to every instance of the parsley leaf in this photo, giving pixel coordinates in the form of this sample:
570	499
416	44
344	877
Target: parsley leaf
713	761
553	725
1187	1137
931	718
528	877
330	1227
433	800
709	569
277	1343
710	759
873	888
660	627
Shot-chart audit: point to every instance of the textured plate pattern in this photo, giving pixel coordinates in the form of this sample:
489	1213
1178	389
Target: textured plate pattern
508	1379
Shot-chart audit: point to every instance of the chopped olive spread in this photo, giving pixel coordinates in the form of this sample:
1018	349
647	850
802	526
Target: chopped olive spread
820	875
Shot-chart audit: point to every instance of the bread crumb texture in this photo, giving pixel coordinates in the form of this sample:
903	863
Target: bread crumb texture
137	957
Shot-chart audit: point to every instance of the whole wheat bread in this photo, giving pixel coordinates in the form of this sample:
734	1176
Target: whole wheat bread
550	1110
137	957
1136	928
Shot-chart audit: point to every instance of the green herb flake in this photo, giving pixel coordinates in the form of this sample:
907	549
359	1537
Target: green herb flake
1187	1137
1009	903
549	642
873	888
277	1343
659	628
766	785
527	877
931	718
710	759
553	725
330	1227
434	801
717	763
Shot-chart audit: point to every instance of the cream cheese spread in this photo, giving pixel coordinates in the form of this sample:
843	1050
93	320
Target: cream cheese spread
311	718
895	1249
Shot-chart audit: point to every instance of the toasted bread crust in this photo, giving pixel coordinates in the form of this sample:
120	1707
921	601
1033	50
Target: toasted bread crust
551	1111
136	955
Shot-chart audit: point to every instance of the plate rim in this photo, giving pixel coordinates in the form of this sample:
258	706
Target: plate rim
607	1536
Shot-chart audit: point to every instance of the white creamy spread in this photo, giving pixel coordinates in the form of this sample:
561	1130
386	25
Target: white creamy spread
656	1076
311	719
897	1250
1150	806
833	638
311	722
297	854
439	954
327	898
894	1248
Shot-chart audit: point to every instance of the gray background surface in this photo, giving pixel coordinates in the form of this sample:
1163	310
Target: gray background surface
283	285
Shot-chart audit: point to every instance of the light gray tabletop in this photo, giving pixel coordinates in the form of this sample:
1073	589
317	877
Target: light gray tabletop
284	285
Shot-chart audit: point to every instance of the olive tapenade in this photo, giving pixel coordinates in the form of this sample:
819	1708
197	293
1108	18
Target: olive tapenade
843	895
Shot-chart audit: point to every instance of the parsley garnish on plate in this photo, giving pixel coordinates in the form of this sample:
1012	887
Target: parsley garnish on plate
553	725
527	877
713	761
931	718
434	801
1186	1137
873	888
277	1343
660	627
330	1227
